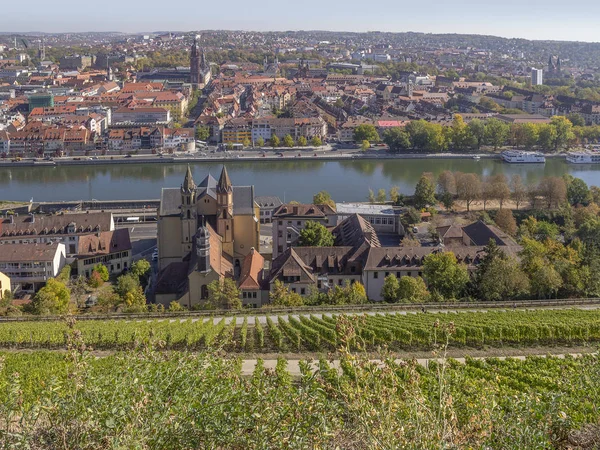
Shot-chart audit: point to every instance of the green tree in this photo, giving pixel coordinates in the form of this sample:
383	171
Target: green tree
496	133
578	192
314	234
302	142
366	132
468	188
135	300
202	133
371	196
412	290
288	141
444	274
413	216
461	136
140	268
224	294
95	280
395	196
102	270
246	143
365	145
53	298
281	295
564	132
545	281
477	131
381	196
503	280
175	307
447	200
260	142
316	141
389	290
323	198
274	141
547	137
396	139
424	193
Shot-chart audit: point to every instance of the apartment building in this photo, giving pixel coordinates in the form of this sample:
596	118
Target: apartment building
308	127
111	248
30	266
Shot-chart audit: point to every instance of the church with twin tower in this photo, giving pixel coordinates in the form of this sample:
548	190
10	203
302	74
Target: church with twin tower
205	232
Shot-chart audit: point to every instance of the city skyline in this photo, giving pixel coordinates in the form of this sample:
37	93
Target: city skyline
549	20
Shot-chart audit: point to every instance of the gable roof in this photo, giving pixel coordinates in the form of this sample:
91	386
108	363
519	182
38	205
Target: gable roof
480	234
104	243
251	275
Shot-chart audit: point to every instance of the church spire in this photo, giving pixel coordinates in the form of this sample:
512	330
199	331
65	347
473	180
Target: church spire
224	181
188	182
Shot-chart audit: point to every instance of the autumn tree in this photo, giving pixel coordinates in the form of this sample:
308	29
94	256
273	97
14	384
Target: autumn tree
316	141
553	190
281	295
288	141
260	142
468	188
395	196
381	196
506	221
518	190
446	182
302	142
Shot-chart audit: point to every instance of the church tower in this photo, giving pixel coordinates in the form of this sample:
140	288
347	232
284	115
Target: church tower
225	211
203	249
188	211
195	65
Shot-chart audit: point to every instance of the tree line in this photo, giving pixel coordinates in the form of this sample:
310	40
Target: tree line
423	136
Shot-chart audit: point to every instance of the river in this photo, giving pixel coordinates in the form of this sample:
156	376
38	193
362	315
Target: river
290	180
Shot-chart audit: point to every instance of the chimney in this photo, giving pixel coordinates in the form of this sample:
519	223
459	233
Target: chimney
12	218
32	218
295	210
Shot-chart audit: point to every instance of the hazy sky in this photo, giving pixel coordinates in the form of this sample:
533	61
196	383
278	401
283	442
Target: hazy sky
531	19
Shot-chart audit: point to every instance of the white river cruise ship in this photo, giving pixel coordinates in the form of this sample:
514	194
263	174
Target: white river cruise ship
516	156
583	157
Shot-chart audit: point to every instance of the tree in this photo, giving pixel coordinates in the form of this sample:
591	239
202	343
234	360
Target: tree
140	268
460	134
102	271
288	141
175	307
135	300
302	142
545	281
468	188
446	182
314	234
503	279
413	215
395	196
477	131
246	144
547	136
365	132
424	192
230	146
518	190
576	119
412	290
500	189
496	133
316	141
578	192
444	274
447	200
554	191
349	294
564	132
224	294
389	290
202	133
126	283
53	298
323	198
396	139
381	196
95	280
506	221
274	141
365	145
371	196
260	142
282	296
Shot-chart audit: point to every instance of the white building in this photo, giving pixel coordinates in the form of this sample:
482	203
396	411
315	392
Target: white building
537	77
30	266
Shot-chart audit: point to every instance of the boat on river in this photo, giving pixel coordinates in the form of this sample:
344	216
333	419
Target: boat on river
519	157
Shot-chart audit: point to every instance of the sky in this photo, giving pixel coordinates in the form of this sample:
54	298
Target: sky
574	20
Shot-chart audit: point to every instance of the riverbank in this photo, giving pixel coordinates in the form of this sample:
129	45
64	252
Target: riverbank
253	157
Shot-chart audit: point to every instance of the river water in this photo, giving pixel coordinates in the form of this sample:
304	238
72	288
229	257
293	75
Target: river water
290	180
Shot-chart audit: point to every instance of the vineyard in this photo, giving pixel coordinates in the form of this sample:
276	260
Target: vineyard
322	333
158	400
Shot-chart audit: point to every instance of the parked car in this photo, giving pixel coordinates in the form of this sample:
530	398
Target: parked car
127	156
